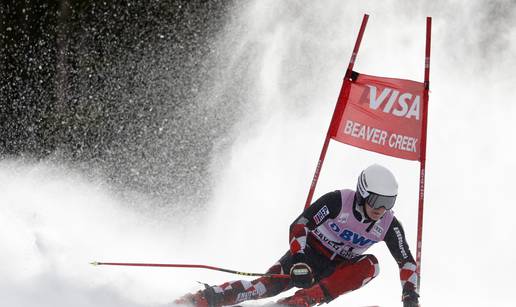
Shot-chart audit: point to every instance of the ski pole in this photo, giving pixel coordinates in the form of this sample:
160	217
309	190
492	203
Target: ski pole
195	266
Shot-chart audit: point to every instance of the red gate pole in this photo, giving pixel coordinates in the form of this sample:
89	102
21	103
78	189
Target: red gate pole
338	106
423	150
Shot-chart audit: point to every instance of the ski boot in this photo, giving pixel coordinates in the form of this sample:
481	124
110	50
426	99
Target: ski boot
304	298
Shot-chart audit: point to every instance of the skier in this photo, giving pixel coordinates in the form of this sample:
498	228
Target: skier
327	245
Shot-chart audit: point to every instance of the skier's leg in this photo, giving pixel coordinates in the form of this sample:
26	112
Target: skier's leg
351	276
234	292
345	278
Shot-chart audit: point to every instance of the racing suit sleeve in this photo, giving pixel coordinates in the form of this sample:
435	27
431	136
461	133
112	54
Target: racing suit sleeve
327	206
398	246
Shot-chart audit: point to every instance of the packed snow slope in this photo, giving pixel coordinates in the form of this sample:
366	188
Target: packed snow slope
287	58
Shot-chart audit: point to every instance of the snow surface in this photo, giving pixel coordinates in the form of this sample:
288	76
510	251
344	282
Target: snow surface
56	220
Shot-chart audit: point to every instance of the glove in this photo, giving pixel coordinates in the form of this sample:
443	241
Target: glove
410	299
409	303
301	275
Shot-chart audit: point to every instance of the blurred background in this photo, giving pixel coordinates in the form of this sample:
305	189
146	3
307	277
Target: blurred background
114	86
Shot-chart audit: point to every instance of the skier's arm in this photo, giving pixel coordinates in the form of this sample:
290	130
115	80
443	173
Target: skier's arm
327	206
398	246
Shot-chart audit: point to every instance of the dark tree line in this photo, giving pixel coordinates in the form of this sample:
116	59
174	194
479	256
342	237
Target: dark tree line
112	85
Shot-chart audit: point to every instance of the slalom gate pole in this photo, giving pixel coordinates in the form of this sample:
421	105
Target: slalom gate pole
423	151
191	266
338	106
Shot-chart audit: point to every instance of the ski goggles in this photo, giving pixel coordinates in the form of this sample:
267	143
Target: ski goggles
378	201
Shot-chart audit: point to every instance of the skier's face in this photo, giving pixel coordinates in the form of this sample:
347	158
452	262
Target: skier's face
374	214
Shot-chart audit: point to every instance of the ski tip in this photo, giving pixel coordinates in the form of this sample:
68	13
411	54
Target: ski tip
95	263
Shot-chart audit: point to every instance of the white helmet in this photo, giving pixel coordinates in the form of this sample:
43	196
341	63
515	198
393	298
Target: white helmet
377	186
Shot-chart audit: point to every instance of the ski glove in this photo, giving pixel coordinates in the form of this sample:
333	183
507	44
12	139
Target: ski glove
409	303
410	299
301	275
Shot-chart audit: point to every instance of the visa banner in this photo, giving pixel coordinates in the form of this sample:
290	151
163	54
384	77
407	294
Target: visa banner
380	114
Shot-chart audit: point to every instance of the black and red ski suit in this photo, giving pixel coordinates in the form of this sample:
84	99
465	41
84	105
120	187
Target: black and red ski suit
334	274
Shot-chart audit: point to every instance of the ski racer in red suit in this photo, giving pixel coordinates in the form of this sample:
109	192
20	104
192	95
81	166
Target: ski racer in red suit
327	244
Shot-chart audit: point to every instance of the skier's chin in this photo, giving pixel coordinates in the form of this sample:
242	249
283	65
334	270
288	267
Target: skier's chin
375	217
374	214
